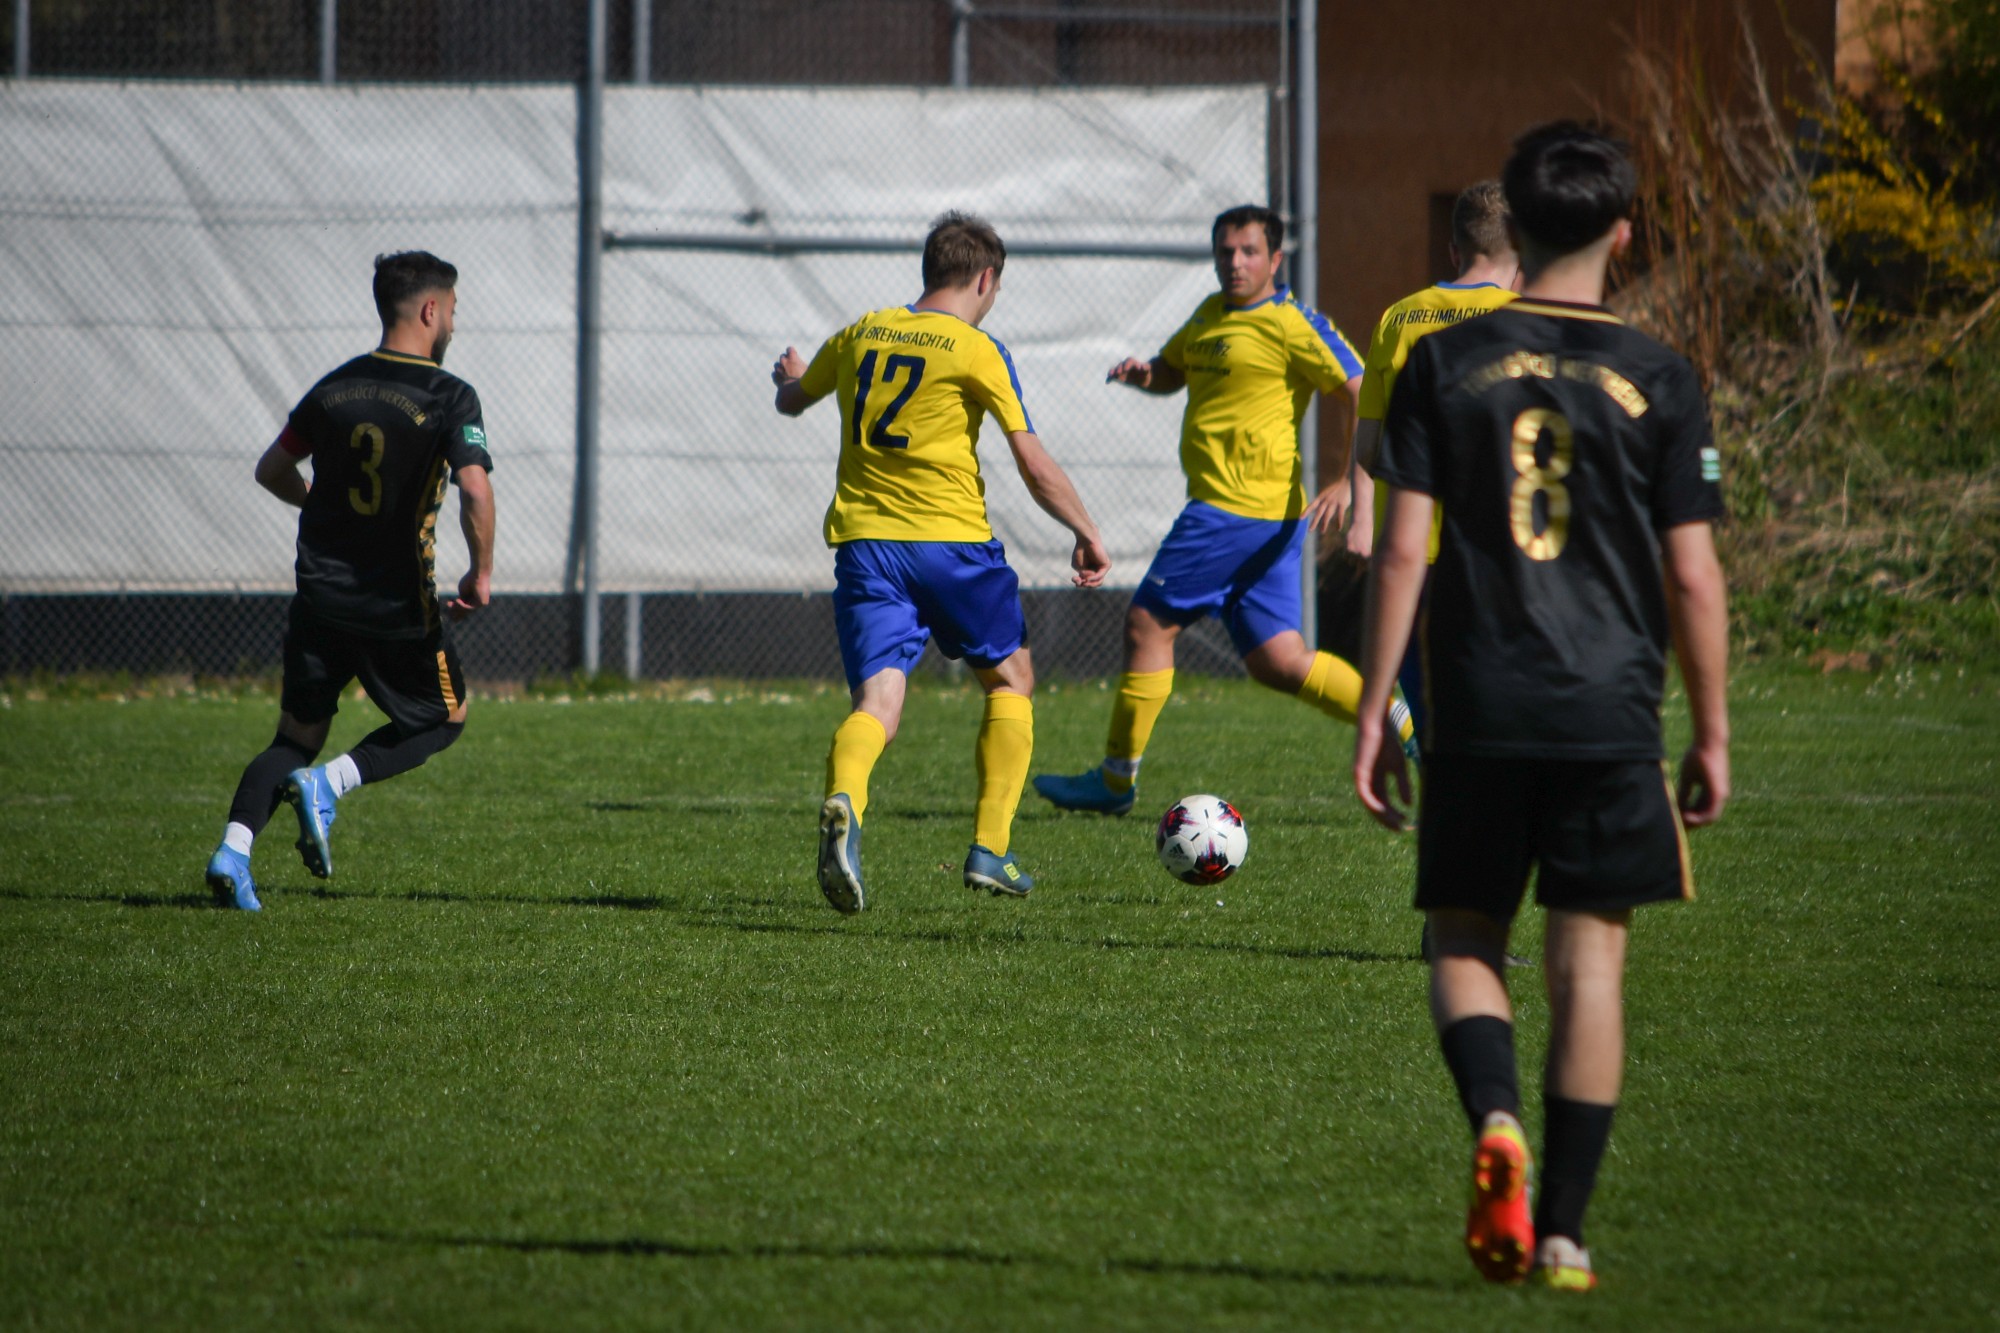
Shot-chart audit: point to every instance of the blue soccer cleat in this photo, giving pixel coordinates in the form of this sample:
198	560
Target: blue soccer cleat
229	879
840	855
996	874
311	795
1085	791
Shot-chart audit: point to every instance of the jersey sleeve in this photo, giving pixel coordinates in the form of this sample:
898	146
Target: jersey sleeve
997	387
1320	353
1409	456
1379	369
822	375
1687	487
306	428
465	433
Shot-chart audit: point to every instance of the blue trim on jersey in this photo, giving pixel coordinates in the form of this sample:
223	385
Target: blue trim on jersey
1329	335
1464	286
1014	378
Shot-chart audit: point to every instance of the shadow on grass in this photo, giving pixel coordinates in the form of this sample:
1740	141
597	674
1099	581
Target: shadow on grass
640	1247
712	919
182	900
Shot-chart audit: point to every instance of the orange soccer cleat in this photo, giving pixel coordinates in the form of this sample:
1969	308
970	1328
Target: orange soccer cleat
1499	1230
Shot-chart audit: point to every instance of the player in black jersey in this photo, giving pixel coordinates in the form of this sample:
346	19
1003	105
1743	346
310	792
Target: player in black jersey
385	432
1571	456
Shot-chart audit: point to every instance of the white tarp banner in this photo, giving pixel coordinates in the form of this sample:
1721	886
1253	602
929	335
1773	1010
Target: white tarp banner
178	263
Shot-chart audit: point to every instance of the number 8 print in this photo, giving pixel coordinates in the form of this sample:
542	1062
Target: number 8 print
1534	478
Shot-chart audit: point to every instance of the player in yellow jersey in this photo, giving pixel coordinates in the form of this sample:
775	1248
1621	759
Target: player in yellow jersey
1482	253
914	556
1251	357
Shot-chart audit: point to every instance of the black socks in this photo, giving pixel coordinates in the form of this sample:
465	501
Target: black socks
1479	1051
1573	1139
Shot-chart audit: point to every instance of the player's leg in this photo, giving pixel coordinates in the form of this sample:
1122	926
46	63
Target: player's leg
1188	579
1001	756
970	600
315	672
1472	867
1611	840
1585	966
1262	614
420	685
881	638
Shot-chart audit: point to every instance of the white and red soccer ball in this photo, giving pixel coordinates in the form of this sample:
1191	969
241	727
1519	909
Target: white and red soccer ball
1201	840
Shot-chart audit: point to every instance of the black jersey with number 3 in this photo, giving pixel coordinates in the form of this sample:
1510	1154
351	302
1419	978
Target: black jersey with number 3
1560	443
384	431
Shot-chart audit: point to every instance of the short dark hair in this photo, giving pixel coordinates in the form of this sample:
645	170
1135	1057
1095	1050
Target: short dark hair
1567	183
960	248
402	277
1242	216
1479	222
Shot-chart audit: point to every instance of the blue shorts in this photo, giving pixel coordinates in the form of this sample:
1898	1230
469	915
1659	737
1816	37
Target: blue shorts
890	598
1245	570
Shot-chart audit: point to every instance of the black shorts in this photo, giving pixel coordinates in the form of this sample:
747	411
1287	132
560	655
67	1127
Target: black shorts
417	682
1606	835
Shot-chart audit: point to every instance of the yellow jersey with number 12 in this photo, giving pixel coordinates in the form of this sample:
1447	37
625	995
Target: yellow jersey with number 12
914	386
1251	371
1435	307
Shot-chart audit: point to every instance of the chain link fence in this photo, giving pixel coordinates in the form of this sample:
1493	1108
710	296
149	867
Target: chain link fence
184	256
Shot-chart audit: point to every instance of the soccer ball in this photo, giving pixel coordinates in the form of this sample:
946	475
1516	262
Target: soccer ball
1201	839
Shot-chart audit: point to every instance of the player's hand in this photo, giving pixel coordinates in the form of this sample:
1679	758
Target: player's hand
790	366
1359	534
1704	785
1132	371
475	591
1375	763
1329	509
1090	561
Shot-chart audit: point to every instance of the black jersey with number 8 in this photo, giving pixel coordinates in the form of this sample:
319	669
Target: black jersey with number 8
1560	443
385	432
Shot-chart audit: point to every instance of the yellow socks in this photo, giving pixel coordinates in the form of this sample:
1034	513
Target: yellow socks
1141	696
857	744
1333	687
1005	748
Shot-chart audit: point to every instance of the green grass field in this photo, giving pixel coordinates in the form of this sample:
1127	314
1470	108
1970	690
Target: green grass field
571	1039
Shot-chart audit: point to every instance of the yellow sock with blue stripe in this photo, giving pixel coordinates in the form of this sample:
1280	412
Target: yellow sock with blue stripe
857	744
1005	748
1141	696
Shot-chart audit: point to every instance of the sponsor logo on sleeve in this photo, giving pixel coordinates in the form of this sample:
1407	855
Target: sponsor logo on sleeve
475	436
1711	464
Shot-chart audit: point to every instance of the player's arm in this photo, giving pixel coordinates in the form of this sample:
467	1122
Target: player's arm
1395	579
1361	487
786	373
1155	376
1698	614
475	520
1051	488
278	473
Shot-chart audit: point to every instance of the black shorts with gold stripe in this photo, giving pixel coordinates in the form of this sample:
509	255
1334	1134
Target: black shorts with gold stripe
1602	835
417	682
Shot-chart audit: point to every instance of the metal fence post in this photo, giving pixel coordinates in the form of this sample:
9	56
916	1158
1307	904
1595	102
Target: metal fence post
1305	281
961	43
589	262
642	42
21	30
329	39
